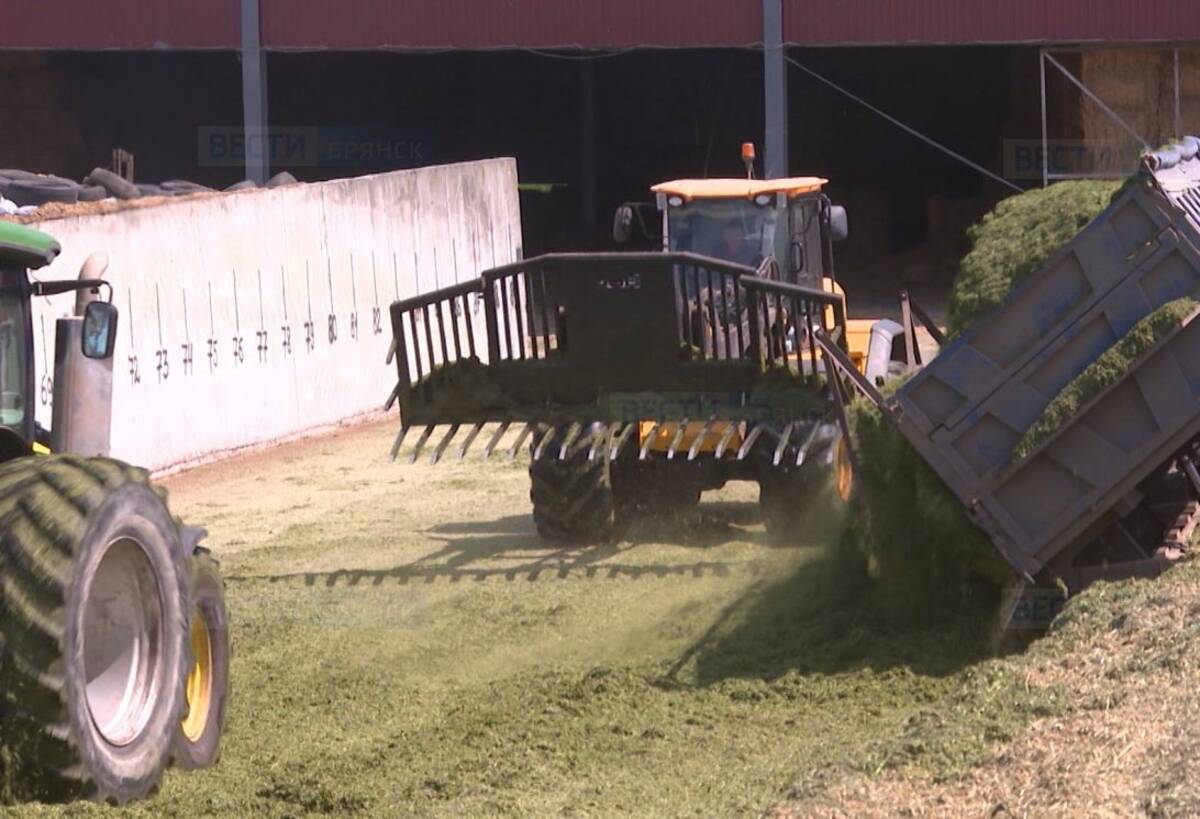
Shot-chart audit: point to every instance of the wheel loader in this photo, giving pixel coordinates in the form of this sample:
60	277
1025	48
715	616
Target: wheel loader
642	379
114	643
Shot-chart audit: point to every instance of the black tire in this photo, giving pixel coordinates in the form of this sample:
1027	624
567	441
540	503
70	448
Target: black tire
181	186
92	193
572	497
152	190
116	185
14	173
90	552
198	741
812	499
41	192
280	179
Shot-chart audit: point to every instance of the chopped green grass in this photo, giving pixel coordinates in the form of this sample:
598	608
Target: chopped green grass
404	645
1017	238
1108	369
924	543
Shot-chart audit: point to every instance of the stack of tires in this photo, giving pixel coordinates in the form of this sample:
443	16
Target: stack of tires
114	645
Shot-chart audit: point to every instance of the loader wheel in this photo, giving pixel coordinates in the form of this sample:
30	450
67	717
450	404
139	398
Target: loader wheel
198	741
572	497
93	590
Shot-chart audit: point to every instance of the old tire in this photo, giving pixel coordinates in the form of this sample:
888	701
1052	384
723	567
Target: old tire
93	592
198	741
572	496
115	184
42	191
92	193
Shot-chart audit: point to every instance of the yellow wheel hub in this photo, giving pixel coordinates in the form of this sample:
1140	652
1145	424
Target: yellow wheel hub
845	471
199	681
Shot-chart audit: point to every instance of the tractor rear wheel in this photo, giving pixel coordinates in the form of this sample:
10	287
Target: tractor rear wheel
93	614
198	742
572	496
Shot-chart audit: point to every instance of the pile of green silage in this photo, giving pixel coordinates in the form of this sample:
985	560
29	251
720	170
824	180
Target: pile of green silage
1016	239
1104	372
922	539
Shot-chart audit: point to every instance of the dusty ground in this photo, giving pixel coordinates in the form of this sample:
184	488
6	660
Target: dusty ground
405	645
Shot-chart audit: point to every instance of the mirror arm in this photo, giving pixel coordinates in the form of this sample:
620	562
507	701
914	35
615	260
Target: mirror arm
58	286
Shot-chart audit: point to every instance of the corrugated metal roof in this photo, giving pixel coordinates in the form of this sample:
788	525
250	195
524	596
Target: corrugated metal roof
119	24
416	24
480	24
887	22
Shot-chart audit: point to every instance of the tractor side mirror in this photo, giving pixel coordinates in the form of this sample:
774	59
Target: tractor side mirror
99	330
623	224
839	224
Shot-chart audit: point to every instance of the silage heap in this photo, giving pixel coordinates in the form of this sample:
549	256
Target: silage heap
925	545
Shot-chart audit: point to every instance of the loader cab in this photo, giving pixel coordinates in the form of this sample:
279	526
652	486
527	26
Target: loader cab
748	221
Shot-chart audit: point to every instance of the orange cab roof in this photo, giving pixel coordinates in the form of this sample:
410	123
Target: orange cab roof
739	188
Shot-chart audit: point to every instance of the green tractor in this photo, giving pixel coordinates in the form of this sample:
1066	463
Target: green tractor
114	645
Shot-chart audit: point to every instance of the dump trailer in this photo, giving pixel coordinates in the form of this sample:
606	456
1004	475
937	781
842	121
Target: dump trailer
1075	491
639	380
113	631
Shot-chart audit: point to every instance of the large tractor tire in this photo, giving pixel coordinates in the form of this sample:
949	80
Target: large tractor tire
573	496
94	617
198	742
798	501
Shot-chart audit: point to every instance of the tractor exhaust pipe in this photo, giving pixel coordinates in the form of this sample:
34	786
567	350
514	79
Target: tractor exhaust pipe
82	413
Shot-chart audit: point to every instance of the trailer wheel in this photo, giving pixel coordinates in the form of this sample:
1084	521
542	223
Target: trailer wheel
198	741
93	613
572	497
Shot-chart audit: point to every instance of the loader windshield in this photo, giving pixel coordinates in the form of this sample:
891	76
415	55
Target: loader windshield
13	348
733	230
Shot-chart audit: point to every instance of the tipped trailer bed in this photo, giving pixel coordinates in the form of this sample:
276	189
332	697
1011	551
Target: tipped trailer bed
1069	508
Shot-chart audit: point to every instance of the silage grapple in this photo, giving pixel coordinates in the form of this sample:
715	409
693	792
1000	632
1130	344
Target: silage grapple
626	365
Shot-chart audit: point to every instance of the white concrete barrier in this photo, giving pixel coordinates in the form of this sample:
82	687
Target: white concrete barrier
253	316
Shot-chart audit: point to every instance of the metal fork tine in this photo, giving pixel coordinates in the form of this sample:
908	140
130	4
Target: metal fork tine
622	439
462	450
416	453
677	439
726	438
543	442
783	442
812	436
399	441
603	439
395	394
516	447
573	433
649	440
700	439
436	455
748	444
495	439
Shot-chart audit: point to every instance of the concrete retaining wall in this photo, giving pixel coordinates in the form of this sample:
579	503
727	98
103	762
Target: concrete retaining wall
252	316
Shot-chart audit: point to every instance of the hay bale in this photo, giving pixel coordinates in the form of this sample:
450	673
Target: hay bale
1105	371
1016	239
